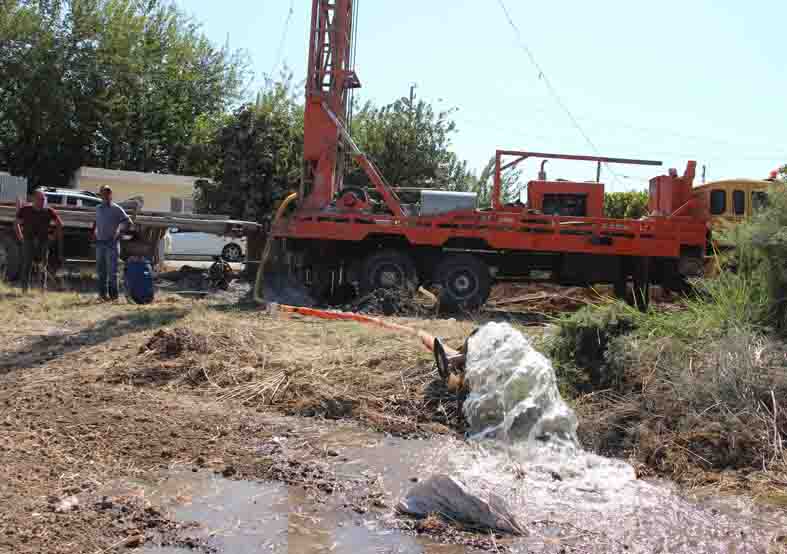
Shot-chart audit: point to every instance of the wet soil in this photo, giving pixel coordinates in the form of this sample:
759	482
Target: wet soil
63	441
68	431
95	464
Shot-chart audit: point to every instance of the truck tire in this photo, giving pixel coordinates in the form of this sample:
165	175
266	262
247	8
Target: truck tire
10	258
389	269
464	281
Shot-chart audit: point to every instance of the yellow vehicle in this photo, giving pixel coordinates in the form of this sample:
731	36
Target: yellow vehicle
733	200
729	202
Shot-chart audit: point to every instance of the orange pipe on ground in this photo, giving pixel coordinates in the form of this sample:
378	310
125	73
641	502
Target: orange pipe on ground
426	339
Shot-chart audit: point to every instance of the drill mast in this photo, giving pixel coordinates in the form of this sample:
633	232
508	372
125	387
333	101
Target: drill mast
330	77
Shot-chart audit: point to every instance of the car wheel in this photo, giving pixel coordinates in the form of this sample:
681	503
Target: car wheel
232	253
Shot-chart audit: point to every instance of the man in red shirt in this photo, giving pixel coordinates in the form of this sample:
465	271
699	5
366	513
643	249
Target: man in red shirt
32	229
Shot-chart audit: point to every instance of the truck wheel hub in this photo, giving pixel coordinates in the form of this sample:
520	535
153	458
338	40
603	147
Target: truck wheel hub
463	284
390	278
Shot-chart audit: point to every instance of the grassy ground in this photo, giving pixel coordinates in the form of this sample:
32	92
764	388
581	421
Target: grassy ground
298	364
696	393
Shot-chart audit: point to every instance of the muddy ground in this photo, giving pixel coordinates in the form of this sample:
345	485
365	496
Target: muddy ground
93	393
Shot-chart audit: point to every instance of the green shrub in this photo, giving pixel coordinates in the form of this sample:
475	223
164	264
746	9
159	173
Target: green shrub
630	205
768	234
580	345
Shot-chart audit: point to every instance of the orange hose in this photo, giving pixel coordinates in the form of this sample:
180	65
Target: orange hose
426	339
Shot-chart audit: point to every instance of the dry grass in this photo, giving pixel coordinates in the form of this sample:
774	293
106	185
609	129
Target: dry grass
710	413
301	366
298	365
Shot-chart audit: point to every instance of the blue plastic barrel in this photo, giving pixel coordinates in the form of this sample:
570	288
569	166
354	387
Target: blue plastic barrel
139	281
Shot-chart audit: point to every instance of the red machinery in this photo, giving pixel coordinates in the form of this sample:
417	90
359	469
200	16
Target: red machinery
343	239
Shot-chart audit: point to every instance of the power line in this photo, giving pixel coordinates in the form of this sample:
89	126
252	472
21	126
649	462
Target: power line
543	77
280	50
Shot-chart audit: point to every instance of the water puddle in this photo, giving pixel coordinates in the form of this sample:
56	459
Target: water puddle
397	462
590	504
241	517
525	452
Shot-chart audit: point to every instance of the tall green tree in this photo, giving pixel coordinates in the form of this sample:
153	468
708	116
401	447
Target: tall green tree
257	157
114	83
511	185
411	145
49	90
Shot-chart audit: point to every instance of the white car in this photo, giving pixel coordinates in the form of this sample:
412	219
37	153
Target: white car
195	245
71	198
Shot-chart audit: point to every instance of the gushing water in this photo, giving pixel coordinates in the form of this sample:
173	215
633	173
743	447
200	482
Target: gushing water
514	396
524	449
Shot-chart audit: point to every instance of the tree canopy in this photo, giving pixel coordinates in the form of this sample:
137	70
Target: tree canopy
410	143
255	154
135	85
121	84
254	157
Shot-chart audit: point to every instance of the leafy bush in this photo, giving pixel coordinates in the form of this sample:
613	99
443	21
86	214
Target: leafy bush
768	234
630	205
580	346
685	392
732	302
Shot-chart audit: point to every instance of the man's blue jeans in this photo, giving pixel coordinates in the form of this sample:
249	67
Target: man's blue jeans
107	268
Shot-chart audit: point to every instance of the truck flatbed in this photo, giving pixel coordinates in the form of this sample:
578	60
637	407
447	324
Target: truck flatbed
84	217
148	229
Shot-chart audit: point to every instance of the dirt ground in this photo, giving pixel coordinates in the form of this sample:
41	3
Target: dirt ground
92	393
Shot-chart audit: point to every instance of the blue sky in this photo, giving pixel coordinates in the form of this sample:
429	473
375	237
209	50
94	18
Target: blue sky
670	80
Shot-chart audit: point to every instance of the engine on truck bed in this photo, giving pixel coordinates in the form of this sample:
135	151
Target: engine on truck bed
440	201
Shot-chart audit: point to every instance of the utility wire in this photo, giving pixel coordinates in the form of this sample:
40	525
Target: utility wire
543	77
280	50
